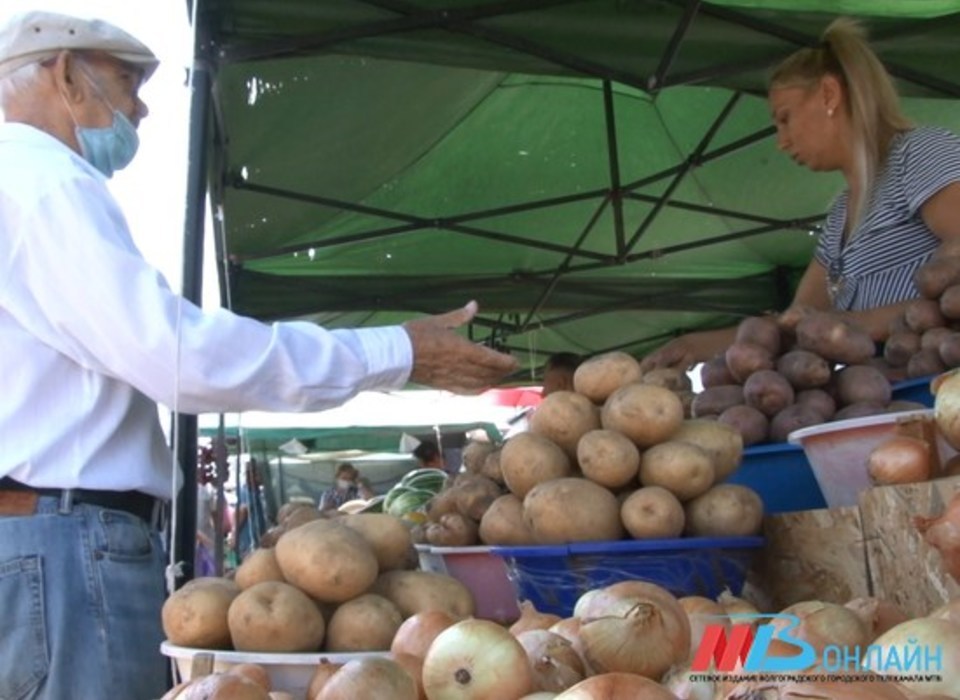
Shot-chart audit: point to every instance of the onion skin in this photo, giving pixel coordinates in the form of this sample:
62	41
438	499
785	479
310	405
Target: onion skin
900	460
927	632
556	665
418	631
822	624
877	614
373	677
532	619
946	406
476	660
943	534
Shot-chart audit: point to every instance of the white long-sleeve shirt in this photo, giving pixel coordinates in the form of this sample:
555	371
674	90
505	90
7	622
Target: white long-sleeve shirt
89	340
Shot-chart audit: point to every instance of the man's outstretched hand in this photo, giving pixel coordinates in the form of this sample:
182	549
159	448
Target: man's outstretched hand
445	360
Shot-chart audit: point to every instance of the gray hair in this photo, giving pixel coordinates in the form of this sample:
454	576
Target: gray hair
19	81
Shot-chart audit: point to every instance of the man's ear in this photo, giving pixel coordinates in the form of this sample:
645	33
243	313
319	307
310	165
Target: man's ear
67	76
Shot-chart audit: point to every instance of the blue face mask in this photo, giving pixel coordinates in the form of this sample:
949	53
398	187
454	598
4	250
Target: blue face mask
111	147
108	148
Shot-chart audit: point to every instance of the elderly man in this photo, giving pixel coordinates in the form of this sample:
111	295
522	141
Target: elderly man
92	339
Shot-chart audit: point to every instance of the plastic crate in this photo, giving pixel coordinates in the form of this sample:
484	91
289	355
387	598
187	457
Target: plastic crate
914	390
781	474
288	672
482	572
554	577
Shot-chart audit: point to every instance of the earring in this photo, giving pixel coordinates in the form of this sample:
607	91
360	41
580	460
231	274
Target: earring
830	111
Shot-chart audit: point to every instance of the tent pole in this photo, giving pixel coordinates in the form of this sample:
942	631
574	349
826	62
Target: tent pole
192	285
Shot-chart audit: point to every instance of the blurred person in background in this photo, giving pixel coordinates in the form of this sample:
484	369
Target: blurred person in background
348	485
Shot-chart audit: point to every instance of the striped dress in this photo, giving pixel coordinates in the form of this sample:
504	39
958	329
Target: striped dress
876	267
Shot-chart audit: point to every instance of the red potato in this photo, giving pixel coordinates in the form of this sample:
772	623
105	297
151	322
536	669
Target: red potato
819	400
900	347
744	358
834	339
936	275
924	363
804	369
923	314
794	417
931	338
860	383
714	372
950	350
768	391
950	302
860	410
716	400
752	424
760	330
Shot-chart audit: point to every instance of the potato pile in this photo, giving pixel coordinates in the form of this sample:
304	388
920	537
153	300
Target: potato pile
773	380
925	339
615	458
453	515
339	585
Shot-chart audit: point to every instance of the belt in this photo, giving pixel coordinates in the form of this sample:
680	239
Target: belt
17	498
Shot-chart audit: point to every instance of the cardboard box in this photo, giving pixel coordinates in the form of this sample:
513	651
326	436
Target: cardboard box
871	549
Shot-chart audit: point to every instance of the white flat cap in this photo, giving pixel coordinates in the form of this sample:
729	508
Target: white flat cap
31	37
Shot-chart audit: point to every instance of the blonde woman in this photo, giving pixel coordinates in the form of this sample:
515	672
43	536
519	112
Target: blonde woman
836	109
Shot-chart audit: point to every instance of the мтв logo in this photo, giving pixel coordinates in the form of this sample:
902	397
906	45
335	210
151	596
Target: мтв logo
725	645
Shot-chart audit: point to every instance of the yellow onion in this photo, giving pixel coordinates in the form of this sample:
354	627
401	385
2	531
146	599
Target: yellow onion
735	605
532	619
899	460
417	632
701	612
946	406
475	659
823	623
635	627
949	611
877	614
920	633
556	665
373	677
617	686
679	681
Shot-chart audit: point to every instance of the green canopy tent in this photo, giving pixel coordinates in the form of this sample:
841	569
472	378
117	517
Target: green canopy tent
598	174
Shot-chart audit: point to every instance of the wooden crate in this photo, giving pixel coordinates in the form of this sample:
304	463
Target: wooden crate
812	555
903	567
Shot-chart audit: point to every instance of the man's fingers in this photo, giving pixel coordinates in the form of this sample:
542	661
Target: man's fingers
457	317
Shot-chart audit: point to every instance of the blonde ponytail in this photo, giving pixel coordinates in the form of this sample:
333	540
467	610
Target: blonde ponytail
871	98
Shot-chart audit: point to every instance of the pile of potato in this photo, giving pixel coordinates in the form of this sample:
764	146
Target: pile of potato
343	585
615	458
925	339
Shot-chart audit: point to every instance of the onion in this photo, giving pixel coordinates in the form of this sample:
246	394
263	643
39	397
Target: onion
532	619
949	611
943	534
569	629
413	665
617	686
900	460
736	606
373	677
641	629
824	623
556	665
925	632
677	680
946	406
417	632
475	659
877	614
701	612
321	674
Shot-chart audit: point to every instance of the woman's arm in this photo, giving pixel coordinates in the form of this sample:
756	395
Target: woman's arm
941	212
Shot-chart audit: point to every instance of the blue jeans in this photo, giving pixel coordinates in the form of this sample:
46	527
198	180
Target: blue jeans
80	600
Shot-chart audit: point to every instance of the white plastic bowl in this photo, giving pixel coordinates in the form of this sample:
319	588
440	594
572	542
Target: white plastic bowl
289	672
838	450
